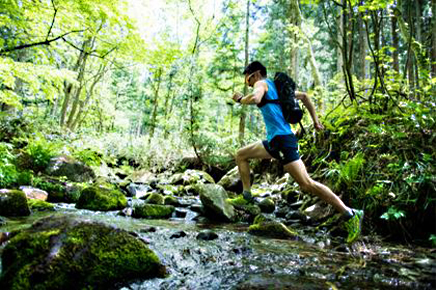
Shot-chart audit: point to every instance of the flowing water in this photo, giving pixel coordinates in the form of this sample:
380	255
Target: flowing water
237	260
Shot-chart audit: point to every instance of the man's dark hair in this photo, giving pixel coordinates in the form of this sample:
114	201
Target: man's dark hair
255	66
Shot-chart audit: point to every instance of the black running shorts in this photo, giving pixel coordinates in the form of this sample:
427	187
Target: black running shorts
283	148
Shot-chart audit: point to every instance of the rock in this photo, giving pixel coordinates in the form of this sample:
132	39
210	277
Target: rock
59	190
231	181
148	230
155	198
171	200
40	205
34	193
197	208
271	229
13	203
152	211
142	177
69	167
69	253
181	213
101	199
126	212
267	205
177	235
290	195
246	211
190	177
207	235
318	211
214	200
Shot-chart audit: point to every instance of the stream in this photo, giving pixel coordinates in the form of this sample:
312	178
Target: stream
238	260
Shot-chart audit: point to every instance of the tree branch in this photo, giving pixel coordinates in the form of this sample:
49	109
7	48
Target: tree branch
45	42
53	21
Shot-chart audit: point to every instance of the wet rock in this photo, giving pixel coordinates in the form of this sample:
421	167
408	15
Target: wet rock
197	208
177	235
152	211
71	168
207	235
246	211
290	195
101	199
231	181
148	230
272	229
13	203
282	211
214	200
318	211
40	205
181	213
267	205
34	193
70	253
296	205
171	200
60	191
154	198
190	177
142	177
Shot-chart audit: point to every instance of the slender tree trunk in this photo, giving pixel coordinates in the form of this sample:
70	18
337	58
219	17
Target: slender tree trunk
155	103
362	47
395	43
340	57
244	109
433	39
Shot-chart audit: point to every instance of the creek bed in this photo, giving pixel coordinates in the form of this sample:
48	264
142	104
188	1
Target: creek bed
237	260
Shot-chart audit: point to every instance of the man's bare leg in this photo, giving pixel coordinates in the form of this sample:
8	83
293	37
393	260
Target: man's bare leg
253	151
298	171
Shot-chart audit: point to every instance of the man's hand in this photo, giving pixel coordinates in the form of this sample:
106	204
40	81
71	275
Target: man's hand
318	126
237	96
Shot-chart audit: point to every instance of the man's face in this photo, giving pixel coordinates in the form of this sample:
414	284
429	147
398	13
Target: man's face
249	79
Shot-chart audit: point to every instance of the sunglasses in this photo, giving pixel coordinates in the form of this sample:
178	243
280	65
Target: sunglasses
247	79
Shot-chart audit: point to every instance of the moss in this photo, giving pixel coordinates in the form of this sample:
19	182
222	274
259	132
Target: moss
238	201
40	205
272	229
267	205
13	203
171	200
155	198
100	198
76	253
152	211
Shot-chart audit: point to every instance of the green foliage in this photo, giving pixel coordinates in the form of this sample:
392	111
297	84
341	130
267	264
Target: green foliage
40	151
346	173
393	214
8	172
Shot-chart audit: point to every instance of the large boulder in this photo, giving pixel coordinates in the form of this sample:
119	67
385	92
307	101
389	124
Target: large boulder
101	198
71	168
58	189
70	253
40	205
152	211
215	202
190	177
155	198
13	203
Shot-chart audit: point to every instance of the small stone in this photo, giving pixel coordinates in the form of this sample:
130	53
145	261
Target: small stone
148	230
207	235
179	234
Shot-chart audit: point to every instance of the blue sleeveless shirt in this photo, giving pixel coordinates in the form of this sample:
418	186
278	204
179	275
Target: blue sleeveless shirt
272	115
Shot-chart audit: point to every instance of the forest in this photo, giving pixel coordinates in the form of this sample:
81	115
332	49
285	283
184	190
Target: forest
118	139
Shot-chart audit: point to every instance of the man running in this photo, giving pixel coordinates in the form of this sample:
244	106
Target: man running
282	144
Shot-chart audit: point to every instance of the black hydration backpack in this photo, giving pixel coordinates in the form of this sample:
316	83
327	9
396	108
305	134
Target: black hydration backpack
286	92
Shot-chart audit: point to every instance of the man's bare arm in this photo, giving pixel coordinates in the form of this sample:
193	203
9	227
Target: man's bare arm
309	105
253	98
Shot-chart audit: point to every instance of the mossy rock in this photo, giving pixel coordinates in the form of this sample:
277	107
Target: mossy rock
155	198
246	211
101	198
13	203
40	205
271	229
171	200
59	190
152	211
67	166
69	253
267	205
215	203
190	177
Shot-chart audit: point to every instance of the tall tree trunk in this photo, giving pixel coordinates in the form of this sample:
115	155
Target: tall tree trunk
433	39
155	103
395	43
362	47
340	58
244	109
